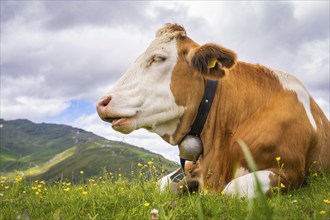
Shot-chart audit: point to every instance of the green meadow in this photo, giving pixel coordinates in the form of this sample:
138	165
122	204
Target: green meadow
115	196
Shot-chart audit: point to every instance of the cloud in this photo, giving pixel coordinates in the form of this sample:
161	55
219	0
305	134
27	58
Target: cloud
324	104
313	63
58	15
32	108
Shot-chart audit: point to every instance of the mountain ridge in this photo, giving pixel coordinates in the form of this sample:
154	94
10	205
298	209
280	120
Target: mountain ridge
52	151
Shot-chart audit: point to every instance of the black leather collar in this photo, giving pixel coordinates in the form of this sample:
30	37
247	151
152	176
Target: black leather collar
204	108
198	125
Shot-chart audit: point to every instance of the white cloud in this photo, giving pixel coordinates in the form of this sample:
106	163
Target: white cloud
312	62
325	105
32	108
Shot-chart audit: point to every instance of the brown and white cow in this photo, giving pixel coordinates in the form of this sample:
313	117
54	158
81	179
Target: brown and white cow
270	110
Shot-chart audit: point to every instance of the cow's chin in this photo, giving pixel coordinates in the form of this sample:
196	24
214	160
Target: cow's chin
124	125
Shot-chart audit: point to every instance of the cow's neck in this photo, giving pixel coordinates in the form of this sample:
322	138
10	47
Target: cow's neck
191	147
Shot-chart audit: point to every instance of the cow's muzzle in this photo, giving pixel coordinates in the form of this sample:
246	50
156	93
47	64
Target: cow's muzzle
101	108
122	123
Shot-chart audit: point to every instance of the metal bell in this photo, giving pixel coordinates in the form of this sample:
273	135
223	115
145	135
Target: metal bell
190	148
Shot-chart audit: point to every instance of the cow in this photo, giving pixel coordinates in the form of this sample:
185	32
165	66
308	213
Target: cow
269	110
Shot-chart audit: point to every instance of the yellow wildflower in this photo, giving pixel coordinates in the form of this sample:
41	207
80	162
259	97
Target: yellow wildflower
67	189
37	193
81	172
146	204
34	188
42	182
139	165
68	184
84	193
326	201
181	187
150	163
322	212
282	185
6	187
278	158
18	179
3	178
39	186
222	193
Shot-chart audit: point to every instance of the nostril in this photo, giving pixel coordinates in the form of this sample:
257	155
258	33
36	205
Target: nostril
101	106
104	102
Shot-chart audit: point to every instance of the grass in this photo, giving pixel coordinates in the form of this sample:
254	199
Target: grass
113	196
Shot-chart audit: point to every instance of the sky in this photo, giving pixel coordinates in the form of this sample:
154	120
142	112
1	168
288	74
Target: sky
59	57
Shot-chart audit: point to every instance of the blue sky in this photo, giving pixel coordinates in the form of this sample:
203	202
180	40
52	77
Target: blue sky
59	57
75	109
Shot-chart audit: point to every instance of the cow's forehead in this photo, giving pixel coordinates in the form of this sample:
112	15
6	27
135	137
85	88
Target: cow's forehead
164	37
159	44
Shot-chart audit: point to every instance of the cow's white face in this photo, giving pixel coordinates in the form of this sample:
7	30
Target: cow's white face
162	90
142	98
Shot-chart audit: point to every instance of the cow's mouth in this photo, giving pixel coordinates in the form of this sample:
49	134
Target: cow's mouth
110	120
123	125
118	121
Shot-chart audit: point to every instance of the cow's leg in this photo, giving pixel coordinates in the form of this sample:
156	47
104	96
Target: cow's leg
166	181
246	186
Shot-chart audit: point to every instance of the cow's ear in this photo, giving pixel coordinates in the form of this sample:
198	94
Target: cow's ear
211	57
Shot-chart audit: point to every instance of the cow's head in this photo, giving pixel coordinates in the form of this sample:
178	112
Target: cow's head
162	90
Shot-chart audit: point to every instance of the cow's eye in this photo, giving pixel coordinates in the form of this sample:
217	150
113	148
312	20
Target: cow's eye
158	58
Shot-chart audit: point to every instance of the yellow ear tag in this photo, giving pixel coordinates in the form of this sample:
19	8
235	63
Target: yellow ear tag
212	62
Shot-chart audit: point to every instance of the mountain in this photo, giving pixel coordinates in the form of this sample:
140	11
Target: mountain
52	151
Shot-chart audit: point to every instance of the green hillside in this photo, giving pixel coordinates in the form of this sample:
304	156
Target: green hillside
51	151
